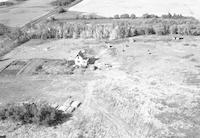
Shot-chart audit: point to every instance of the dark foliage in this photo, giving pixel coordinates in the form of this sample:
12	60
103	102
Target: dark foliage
61	10
124	16
32	113
133	16
18	36
62	2
146	15
4	29
6	3
174	16
116	16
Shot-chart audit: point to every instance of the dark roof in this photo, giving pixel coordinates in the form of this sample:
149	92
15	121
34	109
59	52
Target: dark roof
82	55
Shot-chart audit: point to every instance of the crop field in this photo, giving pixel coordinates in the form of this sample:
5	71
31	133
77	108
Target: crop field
105	7
20	14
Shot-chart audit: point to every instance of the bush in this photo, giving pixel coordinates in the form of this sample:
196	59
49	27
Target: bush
21	0
146	15
116	16
149	30
181	29
3	29
133	16
18	36
6	3
62	2
167	16
173	29
161	29
175	16
61	10
195	30
124	16
32	113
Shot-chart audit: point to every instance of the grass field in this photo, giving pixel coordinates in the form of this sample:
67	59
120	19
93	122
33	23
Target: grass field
140	81
139	7
147	88
18	15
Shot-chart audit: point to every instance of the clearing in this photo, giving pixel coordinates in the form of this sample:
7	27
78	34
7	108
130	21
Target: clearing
149	87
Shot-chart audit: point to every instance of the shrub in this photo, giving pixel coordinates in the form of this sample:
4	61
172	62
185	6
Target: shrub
124	16
195	30
140	30
167	16
32	113
183	29
161	29
116	16
149	30
173	29
133	16
178	16
61	10
21	0
62	2
133	32
18	36
3	29
52	18
114	33
6	3
146	15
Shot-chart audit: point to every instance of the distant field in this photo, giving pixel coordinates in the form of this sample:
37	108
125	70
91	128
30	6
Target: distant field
18	15
111	7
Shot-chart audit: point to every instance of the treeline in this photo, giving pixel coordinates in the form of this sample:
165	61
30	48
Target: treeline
10	3
12	39
146	15
62	2
4	29
114	30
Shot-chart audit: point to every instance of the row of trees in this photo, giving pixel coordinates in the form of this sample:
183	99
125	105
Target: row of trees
114	30
124	16
174	16
146	15
62	2
4	29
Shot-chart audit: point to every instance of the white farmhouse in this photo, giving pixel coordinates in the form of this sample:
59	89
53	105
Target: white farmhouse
81	60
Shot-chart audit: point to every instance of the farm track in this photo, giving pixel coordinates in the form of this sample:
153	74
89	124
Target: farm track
122	127
49	14
89	103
